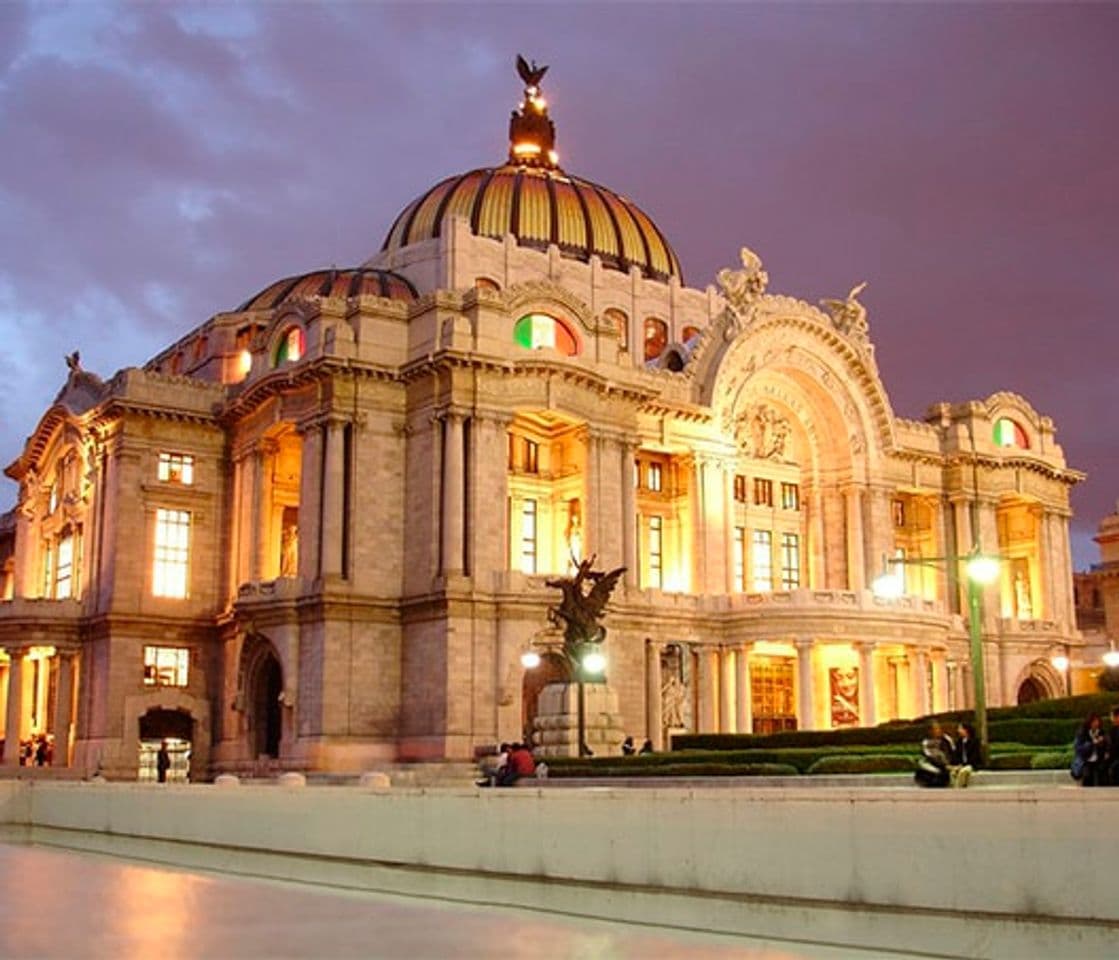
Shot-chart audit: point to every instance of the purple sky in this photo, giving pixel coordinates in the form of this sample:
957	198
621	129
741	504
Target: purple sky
162	162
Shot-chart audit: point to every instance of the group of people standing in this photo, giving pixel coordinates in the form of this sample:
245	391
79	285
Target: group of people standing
946	762
1095	761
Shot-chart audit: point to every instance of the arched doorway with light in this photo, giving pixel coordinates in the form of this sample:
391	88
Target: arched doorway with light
266	686
552	668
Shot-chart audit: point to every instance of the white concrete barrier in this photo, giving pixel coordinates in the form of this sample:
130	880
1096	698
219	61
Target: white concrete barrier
1015	873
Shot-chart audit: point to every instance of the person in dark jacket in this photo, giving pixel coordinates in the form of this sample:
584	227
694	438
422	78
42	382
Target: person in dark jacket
1113	749
936	752
162	762
966	756
1089	762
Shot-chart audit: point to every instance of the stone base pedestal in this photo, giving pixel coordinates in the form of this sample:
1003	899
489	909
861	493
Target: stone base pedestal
555	730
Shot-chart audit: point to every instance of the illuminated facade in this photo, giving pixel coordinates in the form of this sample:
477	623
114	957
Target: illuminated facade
314	532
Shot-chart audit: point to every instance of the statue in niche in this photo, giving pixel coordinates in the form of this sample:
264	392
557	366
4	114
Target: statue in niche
674	695
1022	601
743	288
763	433
848	315
289	549
574	534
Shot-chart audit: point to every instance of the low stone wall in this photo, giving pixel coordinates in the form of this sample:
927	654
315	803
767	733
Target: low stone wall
1009	873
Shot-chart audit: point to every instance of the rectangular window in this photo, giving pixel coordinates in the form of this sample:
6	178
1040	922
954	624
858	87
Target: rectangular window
176	468
739	558
64	575
761	559
172	553
48	569
763	492
532	456
656	552
790	496
52	498
528	536
511	452
739	488
166	666
897	568
656	482
790	561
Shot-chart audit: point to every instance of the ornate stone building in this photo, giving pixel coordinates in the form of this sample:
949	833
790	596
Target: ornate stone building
314	532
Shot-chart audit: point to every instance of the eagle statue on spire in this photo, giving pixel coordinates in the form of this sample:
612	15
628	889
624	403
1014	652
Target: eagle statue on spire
529	72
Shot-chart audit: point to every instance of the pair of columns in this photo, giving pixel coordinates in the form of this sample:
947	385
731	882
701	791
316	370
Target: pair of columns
16	716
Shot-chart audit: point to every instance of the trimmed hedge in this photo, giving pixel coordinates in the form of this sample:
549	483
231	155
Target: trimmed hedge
707	769
1052	760
864	763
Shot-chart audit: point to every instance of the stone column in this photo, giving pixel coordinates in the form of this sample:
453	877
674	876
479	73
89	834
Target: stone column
14	721
729	584
867	706
629	520
310	500
705	683
806	701
940	682
817	575
1066	612
726	690
881	537
743	703
592	515
264	464
699	534
920	668
856	559
714	526
453	493
333	479
654	714
63	710
256	513
233	557
488	538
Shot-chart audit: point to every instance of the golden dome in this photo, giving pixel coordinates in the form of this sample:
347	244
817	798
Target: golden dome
352	282
531	198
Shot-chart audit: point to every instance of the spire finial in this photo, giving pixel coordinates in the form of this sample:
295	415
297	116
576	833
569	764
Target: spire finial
532	135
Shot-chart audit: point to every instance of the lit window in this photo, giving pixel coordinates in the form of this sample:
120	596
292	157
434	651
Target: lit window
176	468
48	569
172	553
790	561
166	666
739	488
64	574
763	492
292	346
897	568
689	333
532	456
618	320
1008	433
656	552
761	559
528	537
790	496
52	498
739	558
656	338
655	477
536	331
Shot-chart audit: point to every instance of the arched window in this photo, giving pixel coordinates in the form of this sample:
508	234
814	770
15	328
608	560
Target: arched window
1009	433
689	333
536	330
485	283
656	338
292	345
620	322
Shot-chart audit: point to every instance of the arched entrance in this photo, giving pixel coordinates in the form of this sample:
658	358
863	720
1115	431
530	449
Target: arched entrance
1031	690
552	669
267	719
176	728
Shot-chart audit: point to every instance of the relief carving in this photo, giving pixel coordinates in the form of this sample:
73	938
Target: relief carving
761	432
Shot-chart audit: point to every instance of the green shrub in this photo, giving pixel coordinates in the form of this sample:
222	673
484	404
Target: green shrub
863	763
1011	761
584	769
1035	732
1052	760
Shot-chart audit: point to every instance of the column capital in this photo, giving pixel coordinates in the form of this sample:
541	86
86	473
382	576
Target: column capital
803	643
865	646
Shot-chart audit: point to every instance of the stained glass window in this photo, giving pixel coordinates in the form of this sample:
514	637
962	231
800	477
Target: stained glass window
292	346
535	331
1008	433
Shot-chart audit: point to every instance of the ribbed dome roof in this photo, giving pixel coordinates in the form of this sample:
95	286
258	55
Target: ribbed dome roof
353	282
539	207
531	198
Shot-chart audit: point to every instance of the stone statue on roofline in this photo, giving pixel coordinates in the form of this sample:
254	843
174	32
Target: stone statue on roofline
743	288
848	315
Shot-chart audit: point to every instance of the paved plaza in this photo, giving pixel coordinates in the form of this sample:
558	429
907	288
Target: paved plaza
56	904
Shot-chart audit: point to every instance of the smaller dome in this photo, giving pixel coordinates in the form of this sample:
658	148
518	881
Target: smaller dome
352	282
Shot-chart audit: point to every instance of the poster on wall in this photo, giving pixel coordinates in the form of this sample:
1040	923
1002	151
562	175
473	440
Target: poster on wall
844	685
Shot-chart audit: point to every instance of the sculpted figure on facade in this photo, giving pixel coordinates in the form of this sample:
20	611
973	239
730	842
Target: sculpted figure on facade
763	433
848	315
581	609
674	695
743	288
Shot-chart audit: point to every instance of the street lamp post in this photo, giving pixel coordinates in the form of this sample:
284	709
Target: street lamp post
979	570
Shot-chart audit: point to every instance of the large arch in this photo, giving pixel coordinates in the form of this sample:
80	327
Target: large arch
1038	680
262	695
166	712
552	669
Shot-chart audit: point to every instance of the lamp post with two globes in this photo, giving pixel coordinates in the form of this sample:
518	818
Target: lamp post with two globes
980	570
